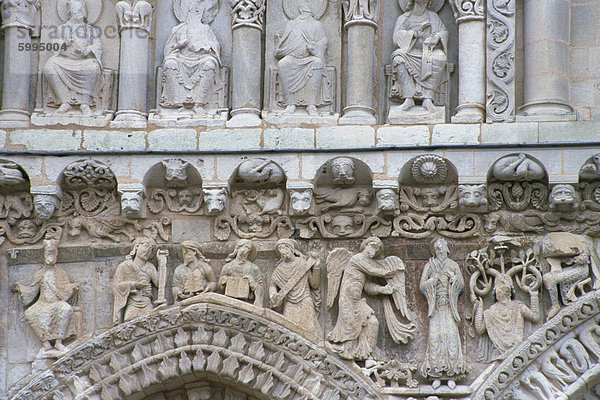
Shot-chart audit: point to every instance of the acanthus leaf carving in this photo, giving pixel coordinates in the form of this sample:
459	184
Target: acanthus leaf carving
247	13
466	10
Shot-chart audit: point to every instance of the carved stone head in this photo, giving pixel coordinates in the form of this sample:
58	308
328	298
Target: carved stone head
430	197
503	288
440	248
215	200
46	201
300	201
472	197
342	169
77	10
564	198
387	201
133	201
372	247
342	225
190	251
143	247
185	197
26	229
50	251
176	172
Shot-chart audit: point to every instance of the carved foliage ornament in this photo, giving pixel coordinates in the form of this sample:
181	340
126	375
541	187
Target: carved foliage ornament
19	13
89	188
465	10
429	169
250	13
357	11
139	16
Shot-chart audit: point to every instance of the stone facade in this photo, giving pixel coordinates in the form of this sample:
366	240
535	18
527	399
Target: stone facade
308	199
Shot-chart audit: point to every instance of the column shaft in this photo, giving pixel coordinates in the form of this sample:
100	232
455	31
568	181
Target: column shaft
16	78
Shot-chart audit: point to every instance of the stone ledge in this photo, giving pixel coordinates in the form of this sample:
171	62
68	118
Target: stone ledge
347	137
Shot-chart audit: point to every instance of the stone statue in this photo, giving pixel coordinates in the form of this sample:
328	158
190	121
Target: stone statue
295	285
563	198
133	281
192	65
504	321
50	298
301	53
568	259
195	275
355	333
240	277
420	60
74	72
441	283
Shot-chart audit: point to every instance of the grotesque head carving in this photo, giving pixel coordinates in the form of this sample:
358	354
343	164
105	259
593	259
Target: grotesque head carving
387	200
185	197
472	197
133	203
431	196
26	229
45	205
176	172
300	201
342	225
564	198
215	200
342	169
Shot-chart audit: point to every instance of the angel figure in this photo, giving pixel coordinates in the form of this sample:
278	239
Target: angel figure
355	333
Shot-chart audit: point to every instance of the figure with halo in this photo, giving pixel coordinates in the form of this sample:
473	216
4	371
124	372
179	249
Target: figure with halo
72	75
192	65
240	277
355	333
420	60
495	269
301	52
441	283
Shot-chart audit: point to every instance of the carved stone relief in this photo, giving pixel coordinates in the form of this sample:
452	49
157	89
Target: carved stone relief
419	70
192	82
174	186
303	62
76	88
240	278
195	275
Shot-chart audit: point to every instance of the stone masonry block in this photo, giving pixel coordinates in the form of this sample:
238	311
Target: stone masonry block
583	17
114	140
554	132
403	136
230	139
340	137
509	133
288	138
2	139
456	134
173	139
47	139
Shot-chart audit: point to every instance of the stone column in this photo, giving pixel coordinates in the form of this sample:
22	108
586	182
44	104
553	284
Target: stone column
246	83
361	24
17	25
134	27
546	42
469	15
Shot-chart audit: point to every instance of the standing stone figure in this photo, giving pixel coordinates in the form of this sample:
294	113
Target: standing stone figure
420	60
134	277
295	284
355	333
73	72
441	283
301	51
504	321
240	277
192	65
50	316
195	275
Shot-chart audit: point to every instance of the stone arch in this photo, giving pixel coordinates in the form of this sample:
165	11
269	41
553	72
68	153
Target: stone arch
571	340
237	344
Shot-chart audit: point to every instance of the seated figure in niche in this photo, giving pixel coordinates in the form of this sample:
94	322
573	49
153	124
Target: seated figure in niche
301	53
192	66
420	60
73	73
240	277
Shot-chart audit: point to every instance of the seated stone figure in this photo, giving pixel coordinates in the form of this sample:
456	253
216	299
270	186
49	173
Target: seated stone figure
72	74
50	314
192	66
195	275
419	62
240	277
301	66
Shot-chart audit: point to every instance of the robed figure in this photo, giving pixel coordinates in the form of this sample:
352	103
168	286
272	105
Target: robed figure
192	65
420	59
72	74
301	67
441	283
355	333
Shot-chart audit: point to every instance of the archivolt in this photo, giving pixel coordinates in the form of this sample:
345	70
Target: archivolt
199	342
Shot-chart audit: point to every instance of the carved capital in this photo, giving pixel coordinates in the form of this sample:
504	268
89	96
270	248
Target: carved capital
249	13
19	13
361	12
467	10
138	16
